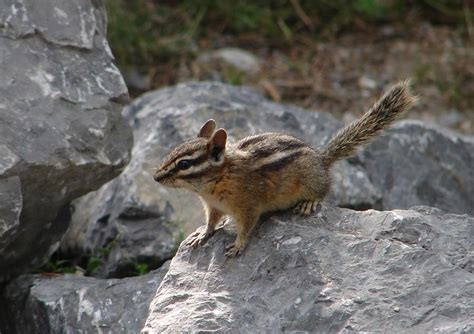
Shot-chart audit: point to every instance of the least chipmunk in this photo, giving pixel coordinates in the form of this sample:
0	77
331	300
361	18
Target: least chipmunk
267	172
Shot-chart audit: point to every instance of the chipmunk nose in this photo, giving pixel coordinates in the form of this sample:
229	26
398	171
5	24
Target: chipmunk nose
159	175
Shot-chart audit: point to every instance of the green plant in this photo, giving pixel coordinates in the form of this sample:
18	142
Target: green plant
422	71
160	37
232	75
141	268
372	9
93	262
179	236
58	266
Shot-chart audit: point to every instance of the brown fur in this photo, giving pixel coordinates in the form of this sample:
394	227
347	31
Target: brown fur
267	172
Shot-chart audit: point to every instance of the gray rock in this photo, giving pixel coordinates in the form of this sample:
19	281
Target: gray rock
61	131
416	164
166	117
10	208
76	304
345	271
135	80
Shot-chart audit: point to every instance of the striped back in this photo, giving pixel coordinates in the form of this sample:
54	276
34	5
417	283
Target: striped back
272	151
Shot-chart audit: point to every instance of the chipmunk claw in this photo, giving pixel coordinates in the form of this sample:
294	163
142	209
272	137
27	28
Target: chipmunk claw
318	208
199	238
232	250
306	208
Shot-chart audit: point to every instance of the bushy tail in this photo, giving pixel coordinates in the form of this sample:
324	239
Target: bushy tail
384	112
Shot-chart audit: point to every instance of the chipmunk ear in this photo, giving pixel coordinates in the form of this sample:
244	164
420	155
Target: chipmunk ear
207	129
217	146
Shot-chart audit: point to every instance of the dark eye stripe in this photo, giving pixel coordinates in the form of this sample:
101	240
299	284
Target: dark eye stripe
194	162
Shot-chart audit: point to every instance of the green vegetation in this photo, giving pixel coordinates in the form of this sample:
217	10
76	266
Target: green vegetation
422	71
141	268
88	263
59	266
92	262
161	34
233	76
178	238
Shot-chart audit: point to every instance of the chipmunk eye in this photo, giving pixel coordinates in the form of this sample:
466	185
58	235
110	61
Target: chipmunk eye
184	164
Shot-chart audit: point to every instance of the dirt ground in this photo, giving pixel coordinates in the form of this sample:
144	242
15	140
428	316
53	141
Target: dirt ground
344	74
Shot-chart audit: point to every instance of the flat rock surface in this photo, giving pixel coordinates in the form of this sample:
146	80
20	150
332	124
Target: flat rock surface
61	131
400	271
76	304
412	164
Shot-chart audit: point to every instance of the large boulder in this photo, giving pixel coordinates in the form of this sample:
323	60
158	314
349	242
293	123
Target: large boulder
418	164
343	271
413	164
61	130
77	304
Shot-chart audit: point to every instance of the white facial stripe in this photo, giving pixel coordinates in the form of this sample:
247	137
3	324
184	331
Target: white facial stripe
196	154
191	157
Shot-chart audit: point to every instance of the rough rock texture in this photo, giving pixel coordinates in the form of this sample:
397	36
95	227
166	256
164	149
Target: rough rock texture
75	304
61	131
412	165
347	271
417	164
10	208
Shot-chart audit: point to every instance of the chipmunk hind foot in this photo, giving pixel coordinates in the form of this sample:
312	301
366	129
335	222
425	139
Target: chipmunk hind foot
232	250
306	208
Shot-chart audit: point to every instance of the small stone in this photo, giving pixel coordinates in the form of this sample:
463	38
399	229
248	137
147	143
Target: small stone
367	83
136	80
450	119
240	59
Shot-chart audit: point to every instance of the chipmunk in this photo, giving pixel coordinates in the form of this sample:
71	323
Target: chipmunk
267	172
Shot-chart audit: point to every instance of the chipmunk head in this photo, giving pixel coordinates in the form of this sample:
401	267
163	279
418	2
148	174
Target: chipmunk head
194	163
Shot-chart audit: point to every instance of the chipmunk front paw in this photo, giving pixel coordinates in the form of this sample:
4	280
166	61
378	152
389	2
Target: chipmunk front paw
199	238
232	250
